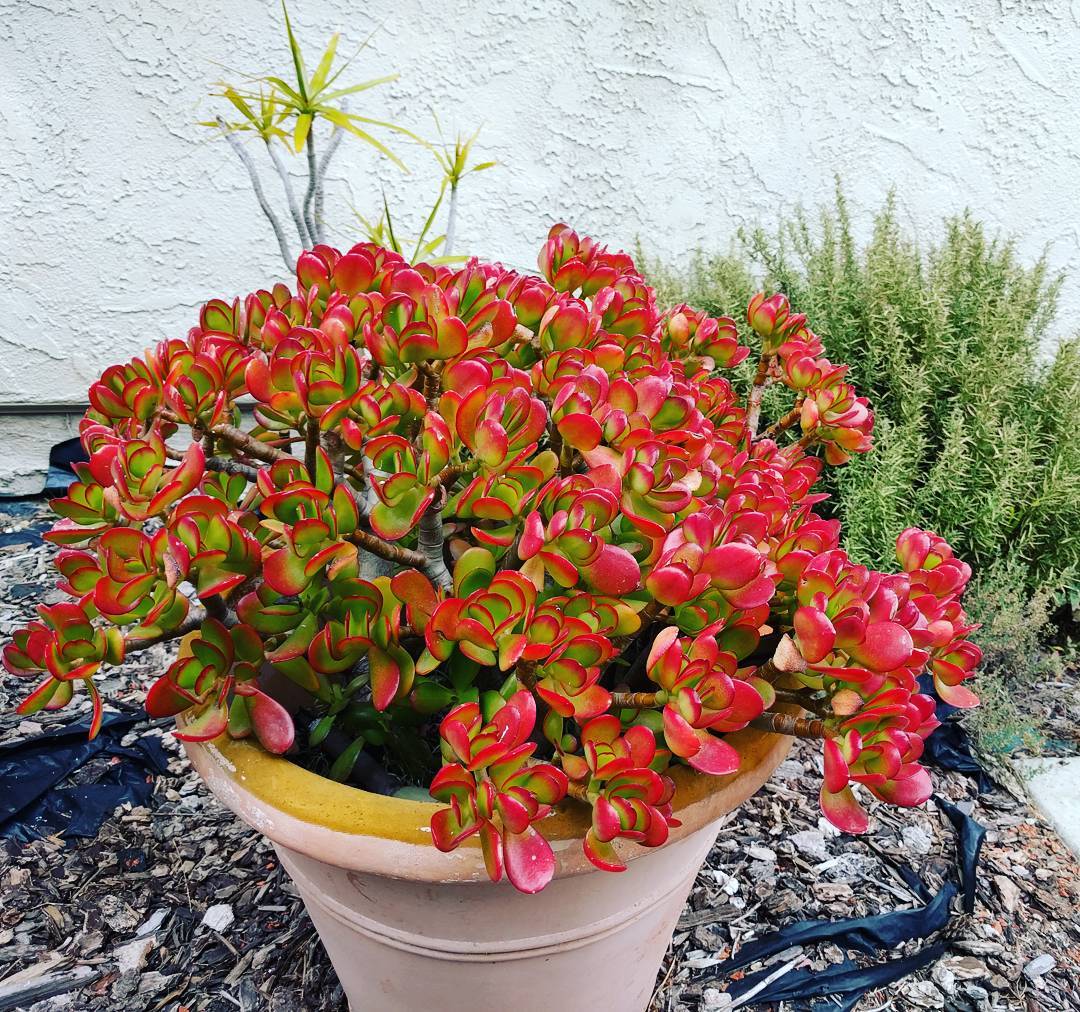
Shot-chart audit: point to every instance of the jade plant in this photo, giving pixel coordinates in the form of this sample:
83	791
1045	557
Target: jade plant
523	538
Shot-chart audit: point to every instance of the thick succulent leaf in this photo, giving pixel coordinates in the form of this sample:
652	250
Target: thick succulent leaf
41	697
955	695
815	633
843	810
681	738
164	699
909	792
448	830
239	718
285	572
836	768
530	863
714	756
885	646
491	843
394	522
602	854
416	591
206	725
385	678
271	722
615	572
733	565
581	431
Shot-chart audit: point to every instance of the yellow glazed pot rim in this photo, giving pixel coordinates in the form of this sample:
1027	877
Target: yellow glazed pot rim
308	797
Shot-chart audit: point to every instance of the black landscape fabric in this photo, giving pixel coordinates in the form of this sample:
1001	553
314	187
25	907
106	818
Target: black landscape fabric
35	801
869	935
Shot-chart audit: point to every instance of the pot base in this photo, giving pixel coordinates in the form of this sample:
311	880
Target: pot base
399	945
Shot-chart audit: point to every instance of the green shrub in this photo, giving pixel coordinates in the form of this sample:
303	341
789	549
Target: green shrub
976	425
1016	625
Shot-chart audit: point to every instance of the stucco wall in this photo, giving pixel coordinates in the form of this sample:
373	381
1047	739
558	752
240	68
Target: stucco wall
673	120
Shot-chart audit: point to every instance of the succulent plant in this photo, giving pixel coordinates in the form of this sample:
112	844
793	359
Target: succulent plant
524	524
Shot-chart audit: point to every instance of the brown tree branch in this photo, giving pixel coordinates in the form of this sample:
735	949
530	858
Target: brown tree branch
786	422
387	550
638	700
240	440
785	723
753	402
226	466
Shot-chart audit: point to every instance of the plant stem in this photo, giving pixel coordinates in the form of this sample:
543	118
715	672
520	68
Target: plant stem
526	672
290	195
522	335
430	543
577	791
335	450
786	422
226	466
638	700
240	440
432	385
313	179
311	447
785	723
217	608
800	699
260	194
753	402
448	475
451	221
386	550
320	183
786	660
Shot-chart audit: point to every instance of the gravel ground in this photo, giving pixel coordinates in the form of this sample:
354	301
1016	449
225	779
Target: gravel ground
178	906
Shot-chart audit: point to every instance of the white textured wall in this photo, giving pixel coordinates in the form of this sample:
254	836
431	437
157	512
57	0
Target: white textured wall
674	120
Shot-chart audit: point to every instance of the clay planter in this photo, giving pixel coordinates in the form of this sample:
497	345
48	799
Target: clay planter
410	928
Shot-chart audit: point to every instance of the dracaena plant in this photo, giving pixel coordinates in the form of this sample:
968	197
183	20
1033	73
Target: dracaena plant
528	537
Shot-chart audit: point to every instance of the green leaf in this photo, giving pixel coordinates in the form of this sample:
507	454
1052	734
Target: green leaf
344	120
390	225
322	71
355	88
387	125
420	248
344	763
297	56
322	729
238	101
296	100
301	131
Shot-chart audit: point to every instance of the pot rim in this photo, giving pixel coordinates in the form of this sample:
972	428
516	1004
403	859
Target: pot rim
352	828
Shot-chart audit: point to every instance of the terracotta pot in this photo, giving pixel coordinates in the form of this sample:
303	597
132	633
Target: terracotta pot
410	928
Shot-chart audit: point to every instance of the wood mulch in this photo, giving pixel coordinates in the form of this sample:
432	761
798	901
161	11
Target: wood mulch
179	906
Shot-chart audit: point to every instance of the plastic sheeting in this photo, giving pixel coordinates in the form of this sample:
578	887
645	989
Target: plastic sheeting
870	935
35	799
949	747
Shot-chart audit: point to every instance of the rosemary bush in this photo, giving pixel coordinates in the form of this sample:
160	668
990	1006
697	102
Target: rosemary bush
976	424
